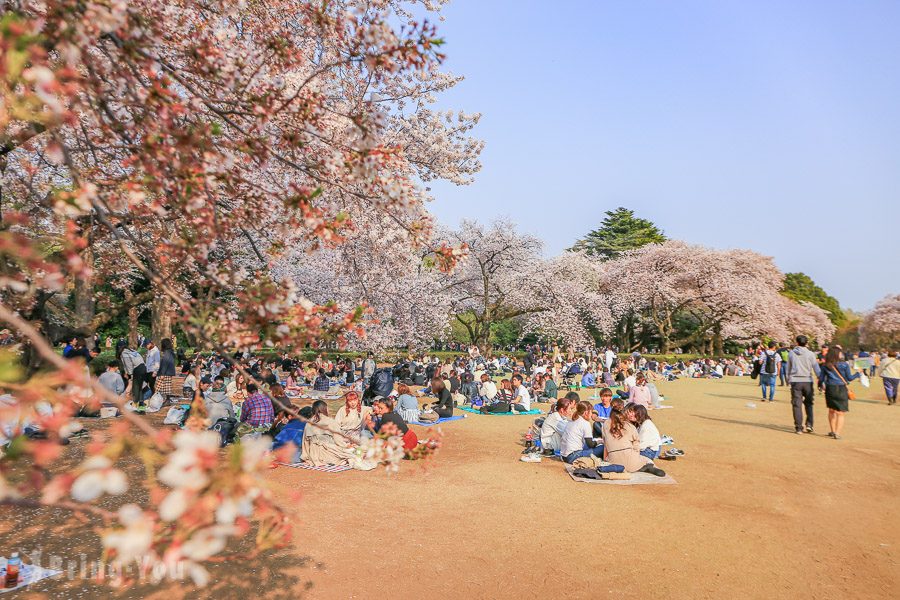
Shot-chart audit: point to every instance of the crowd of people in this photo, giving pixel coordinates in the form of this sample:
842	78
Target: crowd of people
245	394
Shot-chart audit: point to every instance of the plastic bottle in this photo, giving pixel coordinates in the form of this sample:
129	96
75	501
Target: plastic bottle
12	570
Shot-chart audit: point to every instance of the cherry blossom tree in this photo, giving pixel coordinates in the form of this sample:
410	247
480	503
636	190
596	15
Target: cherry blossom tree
377	267
724	295
158	138
881	326
504	276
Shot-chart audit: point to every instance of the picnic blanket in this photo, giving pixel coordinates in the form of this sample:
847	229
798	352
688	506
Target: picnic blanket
323	469
28	574
636	479
478	412
441	420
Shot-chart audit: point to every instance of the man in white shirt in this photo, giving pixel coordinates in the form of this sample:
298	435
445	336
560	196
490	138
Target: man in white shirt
555	424
522	400
608	358
152	363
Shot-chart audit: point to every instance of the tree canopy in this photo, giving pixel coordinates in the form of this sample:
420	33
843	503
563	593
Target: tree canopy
620	231
801	288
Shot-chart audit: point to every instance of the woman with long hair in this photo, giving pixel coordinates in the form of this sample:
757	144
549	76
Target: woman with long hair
166	369
444	405
577	439
384	421
835	377
504	392
622	445
319	447
350	420
407	405
650	439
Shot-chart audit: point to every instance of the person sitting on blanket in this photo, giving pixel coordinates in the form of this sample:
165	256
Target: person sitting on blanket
295	379
578	439
256	411
622	445
537	386
504	393
237	389
216	401
319	447
608	379
282	406
521	398
386	422
555	424
650	439
350	420
469	389
444	405
639	393
407	405
602	409
487	392
588	380
292	433
321	384
550	391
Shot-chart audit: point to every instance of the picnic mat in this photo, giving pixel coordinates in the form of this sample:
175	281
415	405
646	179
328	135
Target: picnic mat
324	469
28	574
441	420
478	412
636	479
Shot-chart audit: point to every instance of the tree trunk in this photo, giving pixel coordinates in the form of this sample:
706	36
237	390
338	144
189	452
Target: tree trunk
663	343
85	308
160	319
133	314
718	342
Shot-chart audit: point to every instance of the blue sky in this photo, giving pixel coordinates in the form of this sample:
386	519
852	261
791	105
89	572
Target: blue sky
766	125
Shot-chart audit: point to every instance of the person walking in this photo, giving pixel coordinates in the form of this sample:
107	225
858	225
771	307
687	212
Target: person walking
889	370
769	362
368	368
802	367
836	377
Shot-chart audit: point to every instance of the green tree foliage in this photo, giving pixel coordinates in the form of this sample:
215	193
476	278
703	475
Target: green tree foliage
800	287
619	231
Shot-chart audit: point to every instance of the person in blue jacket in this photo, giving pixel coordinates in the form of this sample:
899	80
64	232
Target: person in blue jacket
292	433
835	378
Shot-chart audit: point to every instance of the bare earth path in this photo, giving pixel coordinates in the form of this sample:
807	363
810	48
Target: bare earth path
758	512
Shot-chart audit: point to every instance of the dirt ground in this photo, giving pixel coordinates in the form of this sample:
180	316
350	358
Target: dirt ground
758	512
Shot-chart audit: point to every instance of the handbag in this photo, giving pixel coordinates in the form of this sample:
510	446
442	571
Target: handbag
428	416
850	394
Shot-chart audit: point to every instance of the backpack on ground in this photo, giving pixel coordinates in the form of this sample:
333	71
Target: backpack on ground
382	383
225	427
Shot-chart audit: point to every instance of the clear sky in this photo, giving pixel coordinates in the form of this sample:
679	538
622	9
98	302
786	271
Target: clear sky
770	125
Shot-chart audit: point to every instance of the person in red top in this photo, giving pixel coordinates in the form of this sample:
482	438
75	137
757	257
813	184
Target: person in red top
387	420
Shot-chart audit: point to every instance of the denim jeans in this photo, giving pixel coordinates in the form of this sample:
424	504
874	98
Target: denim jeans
597	451
767	381
650	453
782	372
891	385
